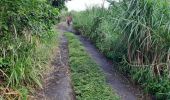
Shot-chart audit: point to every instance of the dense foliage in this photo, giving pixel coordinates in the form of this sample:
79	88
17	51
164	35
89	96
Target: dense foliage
135	33
88	80
25	31
58	3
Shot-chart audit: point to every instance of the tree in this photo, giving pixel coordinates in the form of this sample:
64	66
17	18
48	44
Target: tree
58	3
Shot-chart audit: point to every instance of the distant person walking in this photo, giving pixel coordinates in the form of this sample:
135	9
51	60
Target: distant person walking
69	20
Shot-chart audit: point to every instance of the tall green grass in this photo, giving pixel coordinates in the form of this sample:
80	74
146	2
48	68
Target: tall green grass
25	37
134	33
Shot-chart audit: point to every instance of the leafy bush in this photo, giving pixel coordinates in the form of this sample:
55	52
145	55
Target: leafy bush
25	26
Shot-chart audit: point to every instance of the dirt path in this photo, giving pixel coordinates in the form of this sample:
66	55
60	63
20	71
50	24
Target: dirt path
58	83
117	81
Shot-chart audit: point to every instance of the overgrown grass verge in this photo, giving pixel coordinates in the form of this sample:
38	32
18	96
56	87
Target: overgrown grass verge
26	41
36	65
88	80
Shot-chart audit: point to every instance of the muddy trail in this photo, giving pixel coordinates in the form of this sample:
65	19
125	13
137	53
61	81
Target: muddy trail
123	87
57	85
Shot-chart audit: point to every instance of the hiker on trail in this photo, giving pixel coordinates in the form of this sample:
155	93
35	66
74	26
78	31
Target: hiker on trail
69	20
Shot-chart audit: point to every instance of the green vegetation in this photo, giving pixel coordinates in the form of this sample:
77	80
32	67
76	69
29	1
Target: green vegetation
88	80
26	34
58	3
136	34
